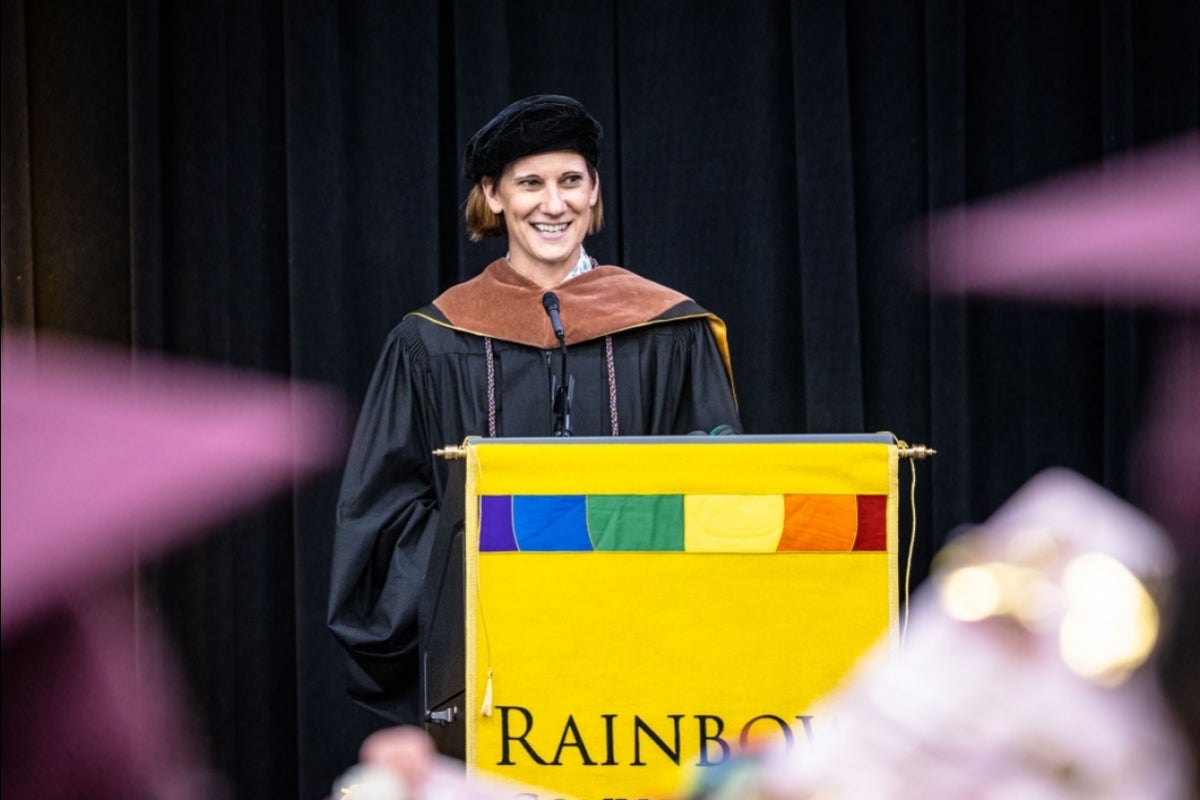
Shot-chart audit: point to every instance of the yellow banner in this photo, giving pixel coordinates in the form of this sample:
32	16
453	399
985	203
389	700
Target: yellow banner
648	640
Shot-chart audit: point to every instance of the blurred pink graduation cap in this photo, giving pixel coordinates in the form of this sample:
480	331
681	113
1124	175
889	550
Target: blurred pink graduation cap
105	459
1126	233
108	461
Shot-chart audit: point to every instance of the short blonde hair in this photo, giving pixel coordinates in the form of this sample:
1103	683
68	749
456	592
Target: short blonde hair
483	223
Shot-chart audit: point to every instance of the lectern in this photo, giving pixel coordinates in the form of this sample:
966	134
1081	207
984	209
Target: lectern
603	615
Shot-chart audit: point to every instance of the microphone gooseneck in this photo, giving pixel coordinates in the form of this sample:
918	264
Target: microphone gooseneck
561	388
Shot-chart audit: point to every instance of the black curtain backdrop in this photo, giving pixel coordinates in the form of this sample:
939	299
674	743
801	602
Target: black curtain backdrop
273	185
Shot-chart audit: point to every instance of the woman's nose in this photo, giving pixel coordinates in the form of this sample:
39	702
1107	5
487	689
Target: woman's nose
553	201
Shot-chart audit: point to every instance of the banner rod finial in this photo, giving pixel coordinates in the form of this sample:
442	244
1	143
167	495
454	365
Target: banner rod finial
917	452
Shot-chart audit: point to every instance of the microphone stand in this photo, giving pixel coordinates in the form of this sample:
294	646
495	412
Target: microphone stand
562	388
562	396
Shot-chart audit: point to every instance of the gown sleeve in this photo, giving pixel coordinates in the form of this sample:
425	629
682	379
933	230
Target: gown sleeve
387	517
707	401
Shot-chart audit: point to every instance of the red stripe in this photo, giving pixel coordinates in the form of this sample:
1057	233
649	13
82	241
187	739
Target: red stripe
872	522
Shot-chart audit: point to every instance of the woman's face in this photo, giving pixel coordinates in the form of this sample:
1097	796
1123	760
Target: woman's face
547	201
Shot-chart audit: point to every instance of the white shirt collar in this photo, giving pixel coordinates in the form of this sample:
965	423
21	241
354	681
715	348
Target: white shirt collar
584	264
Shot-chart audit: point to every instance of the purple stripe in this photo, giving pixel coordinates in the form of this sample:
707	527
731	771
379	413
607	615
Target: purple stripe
495	524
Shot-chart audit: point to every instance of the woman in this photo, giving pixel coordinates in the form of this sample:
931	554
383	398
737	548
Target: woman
484	360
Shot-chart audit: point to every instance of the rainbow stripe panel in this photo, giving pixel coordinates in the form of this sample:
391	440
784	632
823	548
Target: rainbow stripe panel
692	523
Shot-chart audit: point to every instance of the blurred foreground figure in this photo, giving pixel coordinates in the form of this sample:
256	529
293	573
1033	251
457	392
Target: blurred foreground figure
1126	233
108	462
400	763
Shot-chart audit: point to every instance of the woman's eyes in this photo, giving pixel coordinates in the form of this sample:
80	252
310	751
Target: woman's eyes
533	183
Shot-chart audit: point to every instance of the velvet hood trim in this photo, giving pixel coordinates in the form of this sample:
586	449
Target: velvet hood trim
503	304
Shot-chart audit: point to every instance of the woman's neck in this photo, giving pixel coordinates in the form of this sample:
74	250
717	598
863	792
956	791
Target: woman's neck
544	275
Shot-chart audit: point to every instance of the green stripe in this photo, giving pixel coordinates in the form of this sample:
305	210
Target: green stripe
636	522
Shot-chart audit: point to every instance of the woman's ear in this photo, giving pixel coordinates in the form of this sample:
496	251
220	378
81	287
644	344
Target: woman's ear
595	195
491	196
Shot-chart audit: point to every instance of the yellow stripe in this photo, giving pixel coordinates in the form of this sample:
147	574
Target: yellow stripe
675	468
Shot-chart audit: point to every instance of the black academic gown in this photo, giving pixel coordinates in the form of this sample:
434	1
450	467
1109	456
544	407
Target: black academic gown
430	390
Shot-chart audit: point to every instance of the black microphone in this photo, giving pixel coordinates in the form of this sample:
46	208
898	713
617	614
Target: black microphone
550	303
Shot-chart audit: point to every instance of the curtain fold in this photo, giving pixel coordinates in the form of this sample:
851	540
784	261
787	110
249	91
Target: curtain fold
16	222
272	185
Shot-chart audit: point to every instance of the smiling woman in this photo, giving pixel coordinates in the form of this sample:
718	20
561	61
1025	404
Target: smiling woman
546	201
480	361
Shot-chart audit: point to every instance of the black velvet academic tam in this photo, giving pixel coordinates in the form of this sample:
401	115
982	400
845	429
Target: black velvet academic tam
535	124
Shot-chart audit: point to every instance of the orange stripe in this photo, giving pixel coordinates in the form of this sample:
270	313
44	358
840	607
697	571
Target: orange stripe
819	522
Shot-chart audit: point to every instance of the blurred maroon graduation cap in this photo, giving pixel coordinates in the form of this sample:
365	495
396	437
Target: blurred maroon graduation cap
108	461
1127	233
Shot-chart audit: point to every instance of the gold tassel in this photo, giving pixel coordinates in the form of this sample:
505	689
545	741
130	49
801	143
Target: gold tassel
486	710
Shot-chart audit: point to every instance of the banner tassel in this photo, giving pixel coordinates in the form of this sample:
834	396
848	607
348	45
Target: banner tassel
486	710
